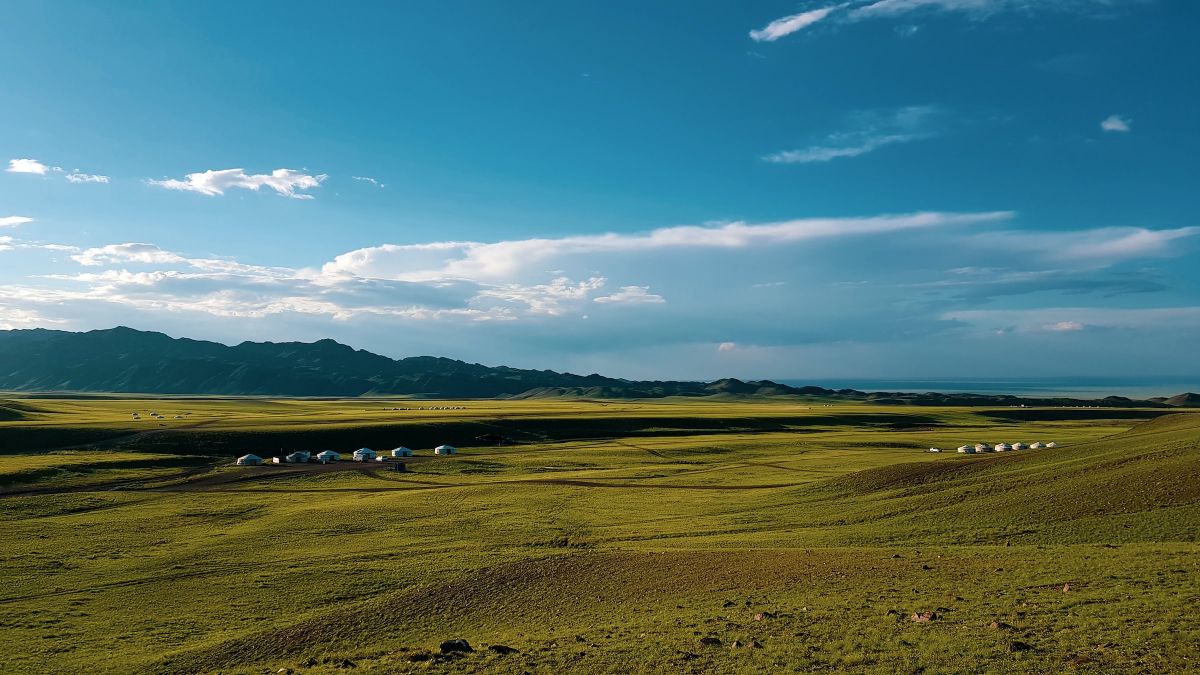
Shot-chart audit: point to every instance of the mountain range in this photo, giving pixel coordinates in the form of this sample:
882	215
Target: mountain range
124	360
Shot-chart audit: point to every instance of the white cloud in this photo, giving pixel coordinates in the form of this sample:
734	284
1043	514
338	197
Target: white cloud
285	182
1074	319
554	298
632	295
125	253
1065	327
13	221
790	24
86	178
29	166
506	259
1104	245
727	346
368	179
872	130
1116	123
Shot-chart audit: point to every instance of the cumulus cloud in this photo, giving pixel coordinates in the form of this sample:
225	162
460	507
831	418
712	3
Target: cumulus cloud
13	221
30	166
632	295
285	182
1116	123
727	346
86	178
871	130
787	25
125	253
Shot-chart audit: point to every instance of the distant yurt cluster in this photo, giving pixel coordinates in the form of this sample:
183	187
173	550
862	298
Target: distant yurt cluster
1000	447
331	456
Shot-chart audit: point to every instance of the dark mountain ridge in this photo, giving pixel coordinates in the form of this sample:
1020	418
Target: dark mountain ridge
124	360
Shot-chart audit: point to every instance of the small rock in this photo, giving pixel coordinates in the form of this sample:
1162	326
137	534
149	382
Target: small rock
754	644
345	663
736	645
710	641
419	657
1018	646
896	555
926	567
458	646
924	617
1000	625
502	649
891	612
1066	587
285	671
308	663
728	604
688	656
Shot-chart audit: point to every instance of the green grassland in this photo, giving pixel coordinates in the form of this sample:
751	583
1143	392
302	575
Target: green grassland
610	537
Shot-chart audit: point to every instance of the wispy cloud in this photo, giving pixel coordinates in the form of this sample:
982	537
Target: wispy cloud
1101	245
1117	123
125	253
871	130
368	179
13	221
787	25
86	178
285	182
862	10
1078	319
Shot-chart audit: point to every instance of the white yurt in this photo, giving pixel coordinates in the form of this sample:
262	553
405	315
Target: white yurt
1003	447
249	460
365	455
983	447
1052	444
298	457
328	456
402	452
444	450
1019	446
1037	445
966	449
935	449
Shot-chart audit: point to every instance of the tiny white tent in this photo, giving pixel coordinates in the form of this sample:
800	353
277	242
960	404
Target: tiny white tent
1052	444
1037	445
967	449
249	460
1019	446
1003	447
935	449
444	450
402	452
328	456
365	455
983	447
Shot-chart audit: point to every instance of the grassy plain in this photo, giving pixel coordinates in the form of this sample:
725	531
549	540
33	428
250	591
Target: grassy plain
612	537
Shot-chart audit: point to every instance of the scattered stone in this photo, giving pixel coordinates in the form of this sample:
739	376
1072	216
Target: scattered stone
1000	625
1018	646
728	604
736	645
308	663
1066	587
688	656
926	567
345	663
710	641
924	617
754	644
502	650
891	612
896	555
457	646
285	671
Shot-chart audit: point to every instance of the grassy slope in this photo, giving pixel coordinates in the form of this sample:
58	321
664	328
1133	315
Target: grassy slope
618	554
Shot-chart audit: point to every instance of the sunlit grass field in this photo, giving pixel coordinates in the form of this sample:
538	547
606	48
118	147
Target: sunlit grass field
626	536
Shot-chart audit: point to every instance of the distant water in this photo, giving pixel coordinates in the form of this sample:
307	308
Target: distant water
1075	388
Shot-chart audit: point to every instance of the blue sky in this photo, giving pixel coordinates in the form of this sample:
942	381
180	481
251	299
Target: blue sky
806	190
